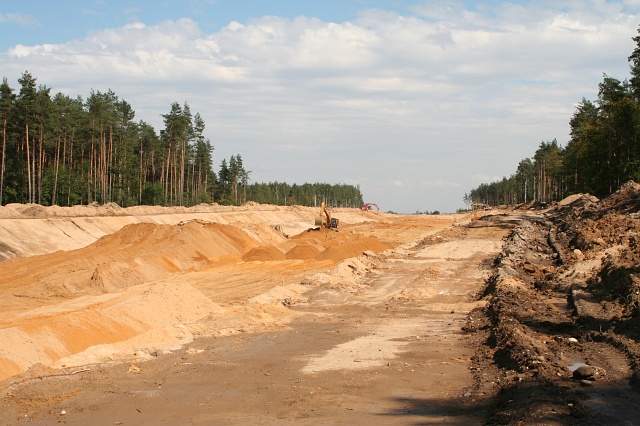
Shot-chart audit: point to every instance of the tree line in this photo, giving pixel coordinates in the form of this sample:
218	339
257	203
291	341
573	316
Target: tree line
308	194
60	150
602	153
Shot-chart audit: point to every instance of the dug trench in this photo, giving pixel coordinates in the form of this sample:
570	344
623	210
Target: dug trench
371	338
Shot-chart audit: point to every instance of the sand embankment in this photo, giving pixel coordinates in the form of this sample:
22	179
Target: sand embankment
94	283
32	229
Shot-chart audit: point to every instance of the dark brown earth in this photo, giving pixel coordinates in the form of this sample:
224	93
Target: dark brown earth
558	343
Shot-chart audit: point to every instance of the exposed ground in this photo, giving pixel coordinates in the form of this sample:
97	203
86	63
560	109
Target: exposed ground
210	316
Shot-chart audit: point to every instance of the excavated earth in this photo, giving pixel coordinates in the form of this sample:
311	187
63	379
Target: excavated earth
209	315
558	341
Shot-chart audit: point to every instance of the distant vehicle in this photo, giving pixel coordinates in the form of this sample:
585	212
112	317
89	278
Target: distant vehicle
479	206
369	206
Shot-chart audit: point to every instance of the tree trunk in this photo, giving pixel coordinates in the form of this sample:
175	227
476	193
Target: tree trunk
40	163
4	144
182	154
166	180
141	176
28	160
92	163
69	165
33	169
55	179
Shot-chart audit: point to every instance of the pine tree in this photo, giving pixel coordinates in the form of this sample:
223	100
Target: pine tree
7	105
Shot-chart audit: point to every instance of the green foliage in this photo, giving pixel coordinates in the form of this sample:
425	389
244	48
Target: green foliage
602	153
234	189
58	150
65	151
152	194
308	194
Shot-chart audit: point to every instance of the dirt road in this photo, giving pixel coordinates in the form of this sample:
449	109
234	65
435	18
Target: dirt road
380	344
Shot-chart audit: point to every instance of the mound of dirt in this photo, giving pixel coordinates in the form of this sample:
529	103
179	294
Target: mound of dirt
264	254
34	211
303	251
578	200
626	200
565	295
134	255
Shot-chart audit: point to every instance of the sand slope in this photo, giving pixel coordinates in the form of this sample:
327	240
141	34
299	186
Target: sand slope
89	284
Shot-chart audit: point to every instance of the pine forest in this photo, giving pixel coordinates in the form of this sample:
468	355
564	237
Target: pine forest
59	150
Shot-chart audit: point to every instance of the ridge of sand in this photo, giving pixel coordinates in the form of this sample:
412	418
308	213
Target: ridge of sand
138	283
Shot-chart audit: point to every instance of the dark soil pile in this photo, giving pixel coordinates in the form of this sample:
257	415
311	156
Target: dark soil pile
558	341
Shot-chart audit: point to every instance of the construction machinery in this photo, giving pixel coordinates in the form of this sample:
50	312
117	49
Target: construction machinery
369	206
324	219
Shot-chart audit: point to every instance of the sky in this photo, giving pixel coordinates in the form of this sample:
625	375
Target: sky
417	102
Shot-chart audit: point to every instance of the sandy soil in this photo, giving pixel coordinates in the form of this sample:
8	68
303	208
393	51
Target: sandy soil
96	286
210	316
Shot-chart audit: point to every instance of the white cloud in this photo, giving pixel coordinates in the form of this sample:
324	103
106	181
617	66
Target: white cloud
446	95
19	18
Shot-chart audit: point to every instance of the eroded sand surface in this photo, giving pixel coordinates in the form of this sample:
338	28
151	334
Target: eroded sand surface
210	316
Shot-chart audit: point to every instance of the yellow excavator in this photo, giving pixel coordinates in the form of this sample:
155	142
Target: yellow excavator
325	220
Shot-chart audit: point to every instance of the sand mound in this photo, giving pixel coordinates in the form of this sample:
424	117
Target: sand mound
303	251
134	255
578	200
214	239
264	254
33	210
